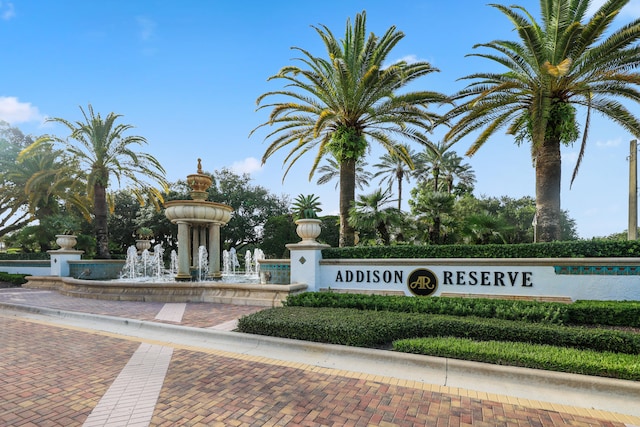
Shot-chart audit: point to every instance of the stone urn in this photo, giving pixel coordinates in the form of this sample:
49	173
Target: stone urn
308	229
142	244
66	241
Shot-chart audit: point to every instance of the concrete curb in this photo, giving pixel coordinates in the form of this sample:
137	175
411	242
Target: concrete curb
599	393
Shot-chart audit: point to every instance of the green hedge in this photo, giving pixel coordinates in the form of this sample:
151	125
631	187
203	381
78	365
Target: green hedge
606	313
573	249
480	307
612	313
586	362
16	279
31	256
368	328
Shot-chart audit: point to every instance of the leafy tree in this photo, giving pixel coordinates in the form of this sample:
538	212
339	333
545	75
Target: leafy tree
279	231
102	152
561	63
330	230
14	203
252	206
122	222
394	169
342	103
501	220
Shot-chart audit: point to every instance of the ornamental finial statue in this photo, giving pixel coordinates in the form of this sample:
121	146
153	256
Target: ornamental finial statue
199	183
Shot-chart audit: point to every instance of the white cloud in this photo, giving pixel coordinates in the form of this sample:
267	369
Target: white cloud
248	165
410	59
609	143
7	11
147	28
14	111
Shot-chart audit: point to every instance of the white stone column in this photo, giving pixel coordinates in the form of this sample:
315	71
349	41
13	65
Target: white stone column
214	251
184	244
305	264
195	236
60	261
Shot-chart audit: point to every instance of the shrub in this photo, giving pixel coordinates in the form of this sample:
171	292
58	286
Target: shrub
16	279
530	311
586	362
606	313
377	328
573	249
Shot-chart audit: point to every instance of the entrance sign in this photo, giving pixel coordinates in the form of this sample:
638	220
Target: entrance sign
562	279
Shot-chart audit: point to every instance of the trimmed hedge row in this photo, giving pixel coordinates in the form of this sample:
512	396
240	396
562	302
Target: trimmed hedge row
16	279
30	256
610	313
573	249
585	362
367	328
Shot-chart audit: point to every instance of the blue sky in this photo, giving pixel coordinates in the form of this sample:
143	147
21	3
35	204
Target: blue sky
186	75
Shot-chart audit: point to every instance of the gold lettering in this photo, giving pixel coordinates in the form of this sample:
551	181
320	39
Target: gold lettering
422	282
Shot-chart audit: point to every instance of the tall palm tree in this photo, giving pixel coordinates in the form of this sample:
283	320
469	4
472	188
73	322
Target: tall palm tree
340	104
395	169
331	170
438	166
564	62
103	151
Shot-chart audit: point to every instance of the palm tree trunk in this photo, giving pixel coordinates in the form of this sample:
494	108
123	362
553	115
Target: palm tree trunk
548	173
100	222
384	233
399	194
347	196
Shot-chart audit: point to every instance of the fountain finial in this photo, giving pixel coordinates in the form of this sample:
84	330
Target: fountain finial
199	183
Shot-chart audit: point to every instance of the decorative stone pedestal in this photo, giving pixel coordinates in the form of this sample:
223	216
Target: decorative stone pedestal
60	261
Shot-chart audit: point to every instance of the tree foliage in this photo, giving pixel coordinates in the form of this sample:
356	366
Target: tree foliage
562	62
339	104
14	203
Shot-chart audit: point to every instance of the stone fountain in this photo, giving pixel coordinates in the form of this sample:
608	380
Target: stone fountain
199	223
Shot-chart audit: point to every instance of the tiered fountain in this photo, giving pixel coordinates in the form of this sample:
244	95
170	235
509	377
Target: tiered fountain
199	223
198	277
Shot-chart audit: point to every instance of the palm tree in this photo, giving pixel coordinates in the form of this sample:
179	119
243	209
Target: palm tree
433	208
331	170
368	214
14	203
395	169
452	169
101	150
559	64
342	103
51	177
437	162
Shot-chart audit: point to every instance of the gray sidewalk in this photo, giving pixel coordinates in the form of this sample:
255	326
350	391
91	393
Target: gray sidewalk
567	393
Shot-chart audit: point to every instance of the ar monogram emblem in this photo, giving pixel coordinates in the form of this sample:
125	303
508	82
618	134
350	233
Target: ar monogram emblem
422	282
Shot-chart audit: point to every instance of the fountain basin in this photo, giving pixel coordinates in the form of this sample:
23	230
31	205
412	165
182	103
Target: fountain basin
212	292
197	211
96	269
